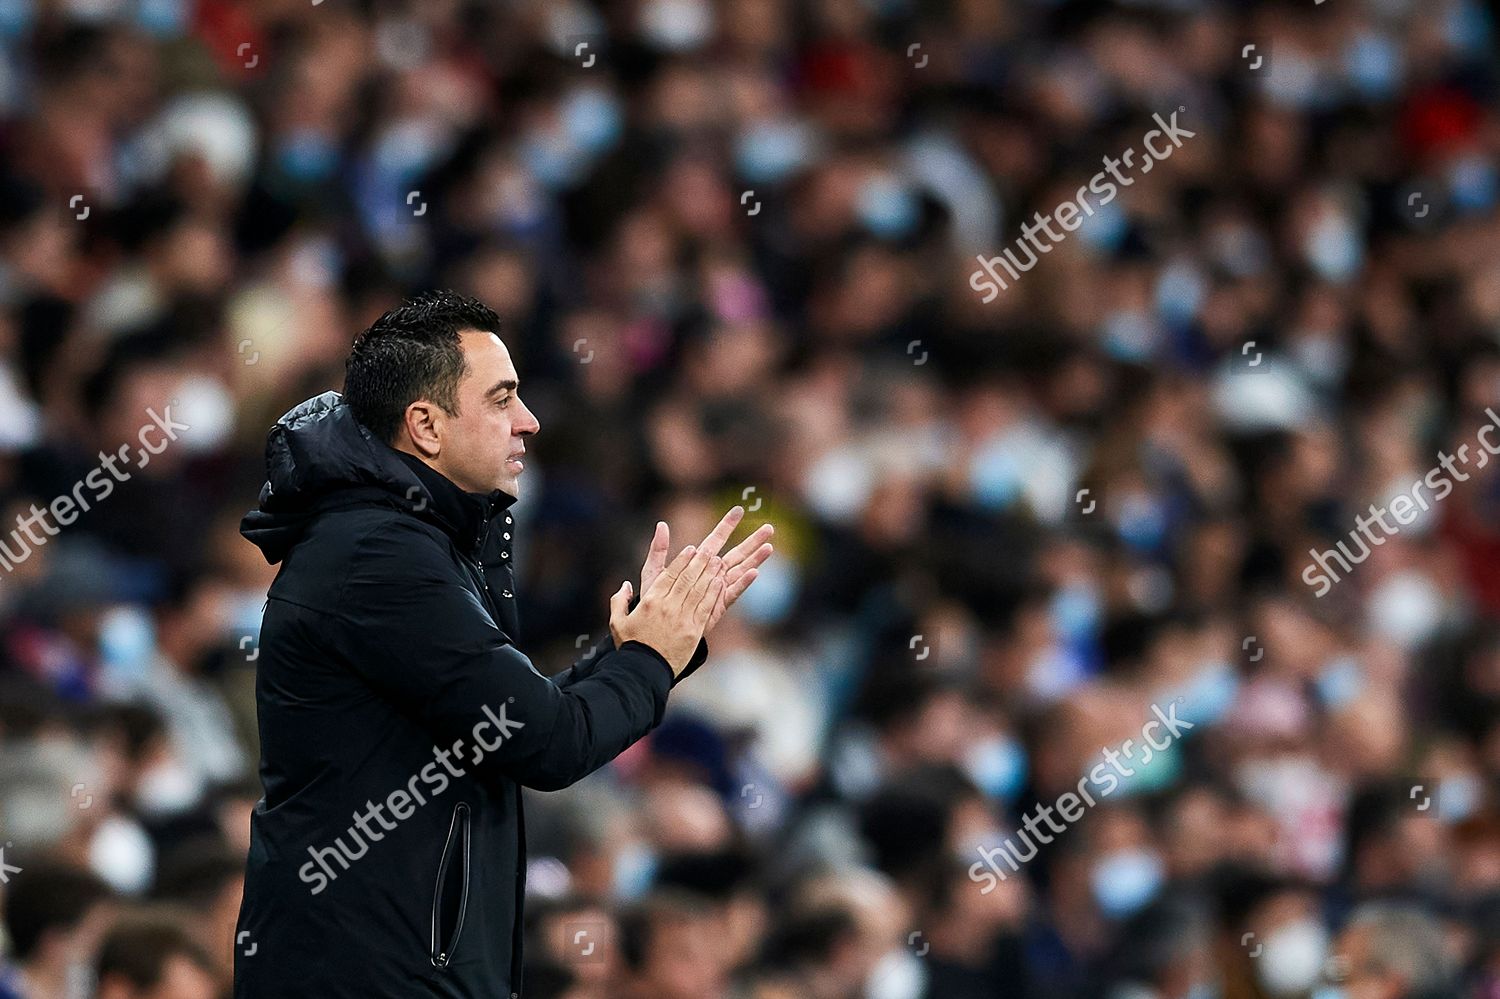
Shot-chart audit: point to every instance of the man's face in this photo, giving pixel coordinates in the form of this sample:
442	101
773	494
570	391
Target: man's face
1365	977
181	978
683	959
482	445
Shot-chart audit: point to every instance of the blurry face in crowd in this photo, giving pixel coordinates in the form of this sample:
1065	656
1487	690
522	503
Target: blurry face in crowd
75	948
684	960
180	979
1292	944
480	447
1365	979
1194	834
586	941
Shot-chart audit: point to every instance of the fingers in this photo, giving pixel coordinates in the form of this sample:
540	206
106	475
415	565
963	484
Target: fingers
709	599
669	575
720	534
656	555
758	558
619	604
735	573
737	580
712	570
742	551
734	588
690	574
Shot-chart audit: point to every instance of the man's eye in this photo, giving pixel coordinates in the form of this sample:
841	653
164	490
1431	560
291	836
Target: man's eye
504	402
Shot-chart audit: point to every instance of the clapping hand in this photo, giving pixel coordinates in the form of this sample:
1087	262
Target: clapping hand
741	564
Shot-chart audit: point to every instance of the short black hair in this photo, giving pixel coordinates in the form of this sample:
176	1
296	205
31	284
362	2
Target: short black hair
808	938
53	895
136	723
412	352
139	947
195	873
640	924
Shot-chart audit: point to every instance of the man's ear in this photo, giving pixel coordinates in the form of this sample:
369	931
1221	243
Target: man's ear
424	426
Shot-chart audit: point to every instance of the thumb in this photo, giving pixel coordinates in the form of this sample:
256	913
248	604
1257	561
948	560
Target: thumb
619	604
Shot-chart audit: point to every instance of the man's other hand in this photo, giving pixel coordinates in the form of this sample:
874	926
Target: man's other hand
674	611
741	565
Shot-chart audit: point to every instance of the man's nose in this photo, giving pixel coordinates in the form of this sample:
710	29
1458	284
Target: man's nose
528	424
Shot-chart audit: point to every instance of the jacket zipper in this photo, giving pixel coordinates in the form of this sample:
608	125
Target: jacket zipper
484	591
458	830
515	967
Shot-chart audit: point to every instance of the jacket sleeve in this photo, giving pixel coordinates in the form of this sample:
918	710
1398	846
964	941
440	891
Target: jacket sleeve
587	663
422	639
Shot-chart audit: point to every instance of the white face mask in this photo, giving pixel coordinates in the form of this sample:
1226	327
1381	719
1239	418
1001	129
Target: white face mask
208	408
1458	797
1407	607
121	853
1125	881
168	788
677	25
1292	958
897	974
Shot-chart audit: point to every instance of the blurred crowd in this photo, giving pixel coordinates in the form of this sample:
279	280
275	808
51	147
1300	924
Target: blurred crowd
731	242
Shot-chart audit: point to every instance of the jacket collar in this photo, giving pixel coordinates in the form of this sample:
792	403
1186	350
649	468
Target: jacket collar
464	515
319	457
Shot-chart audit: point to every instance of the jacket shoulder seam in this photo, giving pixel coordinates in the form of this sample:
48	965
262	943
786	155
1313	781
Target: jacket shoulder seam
359	542
320	611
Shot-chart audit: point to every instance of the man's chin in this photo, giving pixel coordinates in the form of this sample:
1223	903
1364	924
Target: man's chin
510	478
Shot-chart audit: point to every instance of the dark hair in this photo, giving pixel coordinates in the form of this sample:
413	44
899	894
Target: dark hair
544	979
138	724
412	352
52	896
139	947
640	924
808	938
195	873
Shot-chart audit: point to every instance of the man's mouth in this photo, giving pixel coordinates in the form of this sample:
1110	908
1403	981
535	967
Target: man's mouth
515	461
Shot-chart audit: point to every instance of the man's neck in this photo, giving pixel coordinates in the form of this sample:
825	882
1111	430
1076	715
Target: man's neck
407	448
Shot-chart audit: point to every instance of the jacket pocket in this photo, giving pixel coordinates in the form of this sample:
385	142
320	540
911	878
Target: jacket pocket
450	897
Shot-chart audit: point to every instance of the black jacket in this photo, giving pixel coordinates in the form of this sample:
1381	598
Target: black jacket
398	724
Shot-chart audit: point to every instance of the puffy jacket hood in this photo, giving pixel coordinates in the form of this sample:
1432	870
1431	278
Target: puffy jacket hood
319	457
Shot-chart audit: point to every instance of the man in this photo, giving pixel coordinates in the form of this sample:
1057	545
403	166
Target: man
205	877
152	955
581	936
398	719
671	945
54	916
1391	951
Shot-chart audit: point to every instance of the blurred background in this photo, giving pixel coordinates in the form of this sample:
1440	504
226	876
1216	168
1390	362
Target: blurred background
731	243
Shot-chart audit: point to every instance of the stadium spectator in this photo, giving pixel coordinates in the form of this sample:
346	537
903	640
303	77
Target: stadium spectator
152	955
738	250
53	921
